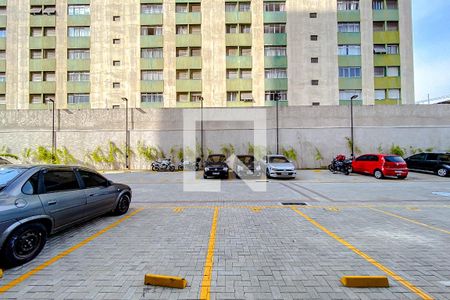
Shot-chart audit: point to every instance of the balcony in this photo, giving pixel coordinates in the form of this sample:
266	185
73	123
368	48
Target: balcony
349	60
240	103
189	85
239	62
275	17
350	83
386	15
188	40
3	43
238	17
152	63
276	84
2	65
78	87
275	39
239	84
238	39
349	16
42	87
3	21
151	19
78	64
189	62
53	2
42	65
388	82
275	62
43	21
152	86
43	42
151	41
349	38
3	87
386	37
82	20
79	42
381	60
188	18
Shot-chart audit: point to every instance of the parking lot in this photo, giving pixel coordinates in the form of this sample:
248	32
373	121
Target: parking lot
240	244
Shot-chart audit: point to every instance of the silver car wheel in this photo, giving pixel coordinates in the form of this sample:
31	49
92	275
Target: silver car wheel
442	172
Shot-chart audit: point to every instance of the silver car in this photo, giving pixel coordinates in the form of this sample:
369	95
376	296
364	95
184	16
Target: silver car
36	201
278	166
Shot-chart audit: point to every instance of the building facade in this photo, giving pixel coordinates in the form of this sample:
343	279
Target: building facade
178	53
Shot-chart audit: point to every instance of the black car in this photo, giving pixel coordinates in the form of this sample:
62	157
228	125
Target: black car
246	166
216	166
438	163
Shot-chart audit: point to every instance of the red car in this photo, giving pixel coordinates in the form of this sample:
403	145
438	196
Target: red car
381	165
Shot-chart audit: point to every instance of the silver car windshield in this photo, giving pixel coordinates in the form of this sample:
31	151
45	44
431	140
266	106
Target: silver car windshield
7	174
278	160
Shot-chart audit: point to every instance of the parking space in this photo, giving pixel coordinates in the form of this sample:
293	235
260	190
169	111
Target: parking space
254	247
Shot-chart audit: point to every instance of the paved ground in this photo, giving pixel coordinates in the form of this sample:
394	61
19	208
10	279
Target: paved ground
239	244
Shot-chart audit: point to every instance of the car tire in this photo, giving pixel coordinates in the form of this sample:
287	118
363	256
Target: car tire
402	177
226	176
268	174
442	172
122	205
204	176
23	245
378	174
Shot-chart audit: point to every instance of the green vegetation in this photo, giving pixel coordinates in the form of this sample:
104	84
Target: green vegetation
112	157
227	149
397	150
257	151
349	146
6	153
290	153
318	156
149	153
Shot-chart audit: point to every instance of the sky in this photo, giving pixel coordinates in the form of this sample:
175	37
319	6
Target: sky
431	24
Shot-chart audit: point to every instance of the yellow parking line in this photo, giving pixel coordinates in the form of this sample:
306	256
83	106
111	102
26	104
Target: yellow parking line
386	270
409	220
206	282
63	254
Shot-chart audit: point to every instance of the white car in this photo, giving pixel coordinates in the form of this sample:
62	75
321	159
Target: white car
278	166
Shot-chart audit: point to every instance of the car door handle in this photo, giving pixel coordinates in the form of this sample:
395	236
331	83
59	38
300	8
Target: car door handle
51	202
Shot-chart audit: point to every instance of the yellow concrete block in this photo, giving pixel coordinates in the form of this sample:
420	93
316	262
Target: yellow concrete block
167	281
365	281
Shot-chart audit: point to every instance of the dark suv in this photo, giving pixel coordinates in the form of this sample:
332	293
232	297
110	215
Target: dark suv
438	163
216	166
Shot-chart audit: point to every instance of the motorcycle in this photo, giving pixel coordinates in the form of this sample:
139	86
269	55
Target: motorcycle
188	165
164	165
341	164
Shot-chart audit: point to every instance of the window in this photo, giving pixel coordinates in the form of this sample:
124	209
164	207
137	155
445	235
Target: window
2	32
151	9
116	63
181	8
392	4
152	75
58	181
78	76
2	54
232	96
232	51
196	74
77	98
378	26
182	97
48	97
394	94
35	99
116	85
2	99
246	97
78	10
35	31
244	6
377	4
151	30
196	97
182	74
152	98
31	186
379	49
275	51
116	18
152	53
2	77
348	94
79	31
275	28
49	10
276	96
49	53
314	37
195	7
196	51
245	28
348	27
195	29
182	52
35	54
36	10
392	49
348	5
246	73
230	6
380	94
349	72
314	60
274	6
314	82
78	54
379	72
35	76
182	29
232	74
2	10
275	73
393	71
49	76
231	28
392	26
246	51
116	41
50	31
91	180
313	15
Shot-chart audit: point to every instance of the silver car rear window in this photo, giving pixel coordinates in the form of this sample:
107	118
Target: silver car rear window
7	174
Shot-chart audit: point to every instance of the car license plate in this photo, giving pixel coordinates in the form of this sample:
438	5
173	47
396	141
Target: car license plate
399	172
216	173
285	173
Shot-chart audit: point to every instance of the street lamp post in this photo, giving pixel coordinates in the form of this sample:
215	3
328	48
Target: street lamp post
201	129
277	99
53	130
127	142
351	120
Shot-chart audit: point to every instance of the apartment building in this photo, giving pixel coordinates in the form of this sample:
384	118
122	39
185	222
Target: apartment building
224	53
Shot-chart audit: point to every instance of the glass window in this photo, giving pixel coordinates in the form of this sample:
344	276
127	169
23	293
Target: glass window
49	53
196	74
195	7
182	74
151	9
392	49
348	5
348	27
79	31
444	158
31	186
182	29
232	51
275	28
379	71
275	51
152	53
380	94
393	71
9	173
420	156
181	8
77	98
274	6
36	54
152	97
78	76
2	54
78	54
394	94
232	73
276	96
182	52
35	31
231	28
151	75
246	96
348	94
58	181
232	96
230	6
349	50
244	6
196	51
92	180
195	29
349	72
151	30
246	51
78	10
275	73
246	73
49	76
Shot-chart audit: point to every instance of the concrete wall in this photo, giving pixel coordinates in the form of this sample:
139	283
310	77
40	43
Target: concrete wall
302	128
